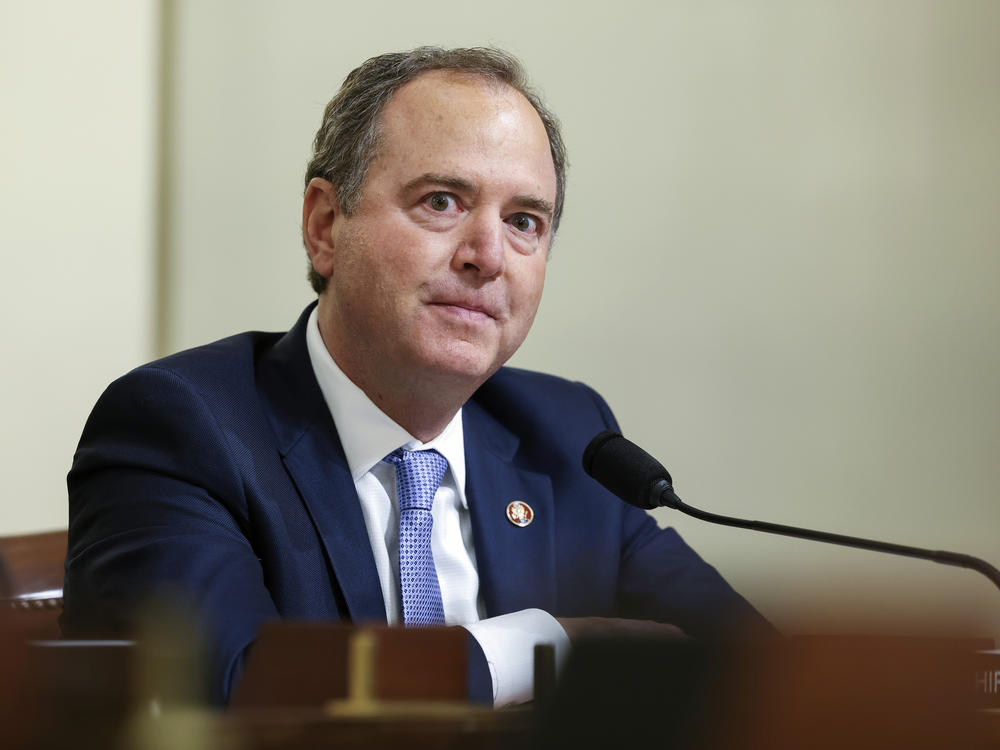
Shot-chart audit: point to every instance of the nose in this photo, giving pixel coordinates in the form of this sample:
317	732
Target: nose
481	247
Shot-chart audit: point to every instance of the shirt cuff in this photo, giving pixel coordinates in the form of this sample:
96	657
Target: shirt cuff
508	642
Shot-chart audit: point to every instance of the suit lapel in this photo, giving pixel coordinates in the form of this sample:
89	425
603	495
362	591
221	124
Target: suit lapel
314	458
516	564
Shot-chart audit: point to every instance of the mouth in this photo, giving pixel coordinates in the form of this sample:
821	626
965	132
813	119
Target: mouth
466	310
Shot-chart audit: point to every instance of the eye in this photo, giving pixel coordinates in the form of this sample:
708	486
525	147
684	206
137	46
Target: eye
524	223
440	201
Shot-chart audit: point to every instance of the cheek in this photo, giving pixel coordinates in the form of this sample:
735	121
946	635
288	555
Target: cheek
526	293
401	253
529	285
372	264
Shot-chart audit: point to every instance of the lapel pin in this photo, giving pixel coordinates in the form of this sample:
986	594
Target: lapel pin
520	513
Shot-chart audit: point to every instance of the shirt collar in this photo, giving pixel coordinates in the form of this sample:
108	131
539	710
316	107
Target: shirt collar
366	432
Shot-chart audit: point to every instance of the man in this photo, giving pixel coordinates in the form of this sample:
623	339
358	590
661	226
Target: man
267	475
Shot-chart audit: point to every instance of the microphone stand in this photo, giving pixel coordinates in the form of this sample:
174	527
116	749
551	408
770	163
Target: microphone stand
663	494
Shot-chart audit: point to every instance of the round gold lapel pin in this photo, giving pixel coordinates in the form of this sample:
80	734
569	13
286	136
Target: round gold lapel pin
520	513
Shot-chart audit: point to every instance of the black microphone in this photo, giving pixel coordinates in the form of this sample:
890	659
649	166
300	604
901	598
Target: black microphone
639	479
627	470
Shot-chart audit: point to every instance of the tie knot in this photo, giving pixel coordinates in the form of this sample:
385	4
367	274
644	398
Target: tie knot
418	476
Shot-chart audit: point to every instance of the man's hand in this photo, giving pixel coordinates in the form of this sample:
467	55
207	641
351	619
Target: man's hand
584	628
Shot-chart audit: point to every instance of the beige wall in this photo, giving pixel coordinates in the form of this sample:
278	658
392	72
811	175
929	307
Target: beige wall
76	231
778	262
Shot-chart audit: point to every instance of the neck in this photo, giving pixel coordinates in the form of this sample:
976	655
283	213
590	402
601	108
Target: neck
423	411
421	403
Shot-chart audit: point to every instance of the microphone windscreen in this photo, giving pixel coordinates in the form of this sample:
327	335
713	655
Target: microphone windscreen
625	469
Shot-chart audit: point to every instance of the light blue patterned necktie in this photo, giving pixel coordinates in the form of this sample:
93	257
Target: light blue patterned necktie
418	476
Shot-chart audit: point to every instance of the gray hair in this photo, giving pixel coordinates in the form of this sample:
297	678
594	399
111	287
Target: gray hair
348	138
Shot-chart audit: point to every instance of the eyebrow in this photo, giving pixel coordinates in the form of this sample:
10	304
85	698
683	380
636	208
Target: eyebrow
531	202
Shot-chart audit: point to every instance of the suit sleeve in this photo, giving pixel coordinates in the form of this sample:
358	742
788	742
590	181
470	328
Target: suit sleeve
157	511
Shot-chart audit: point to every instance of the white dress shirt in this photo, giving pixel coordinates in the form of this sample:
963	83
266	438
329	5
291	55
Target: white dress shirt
368	435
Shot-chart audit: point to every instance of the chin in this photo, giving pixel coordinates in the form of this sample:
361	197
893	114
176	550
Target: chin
461	364
471	372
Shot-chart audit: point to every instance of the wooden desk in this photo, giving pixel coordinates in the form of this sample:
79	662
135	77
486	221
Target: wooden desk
816	693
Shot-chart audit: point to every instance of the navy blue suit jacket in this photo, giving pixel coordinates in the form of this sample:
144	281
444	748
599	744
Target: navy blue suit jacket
217	472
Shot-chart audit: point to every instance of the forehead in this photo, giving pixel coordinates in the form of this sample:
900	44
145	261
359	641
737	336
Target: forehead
437	89
444	120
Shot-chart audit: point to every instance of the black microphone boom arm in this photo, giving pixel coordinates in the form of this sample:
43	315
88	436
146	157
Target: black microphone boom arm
639	479
670	500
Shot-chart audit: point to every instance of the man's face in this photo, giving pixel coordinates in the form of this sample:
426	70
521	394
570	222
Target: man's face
440	270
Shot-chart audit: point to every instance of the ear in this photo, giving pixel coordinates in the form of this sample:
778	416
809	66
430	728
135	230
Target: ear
319	209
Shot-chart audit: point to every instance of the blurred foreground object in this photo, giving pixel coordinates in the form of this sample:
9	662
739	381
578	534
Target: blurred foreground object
313	685
808	691
32	589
